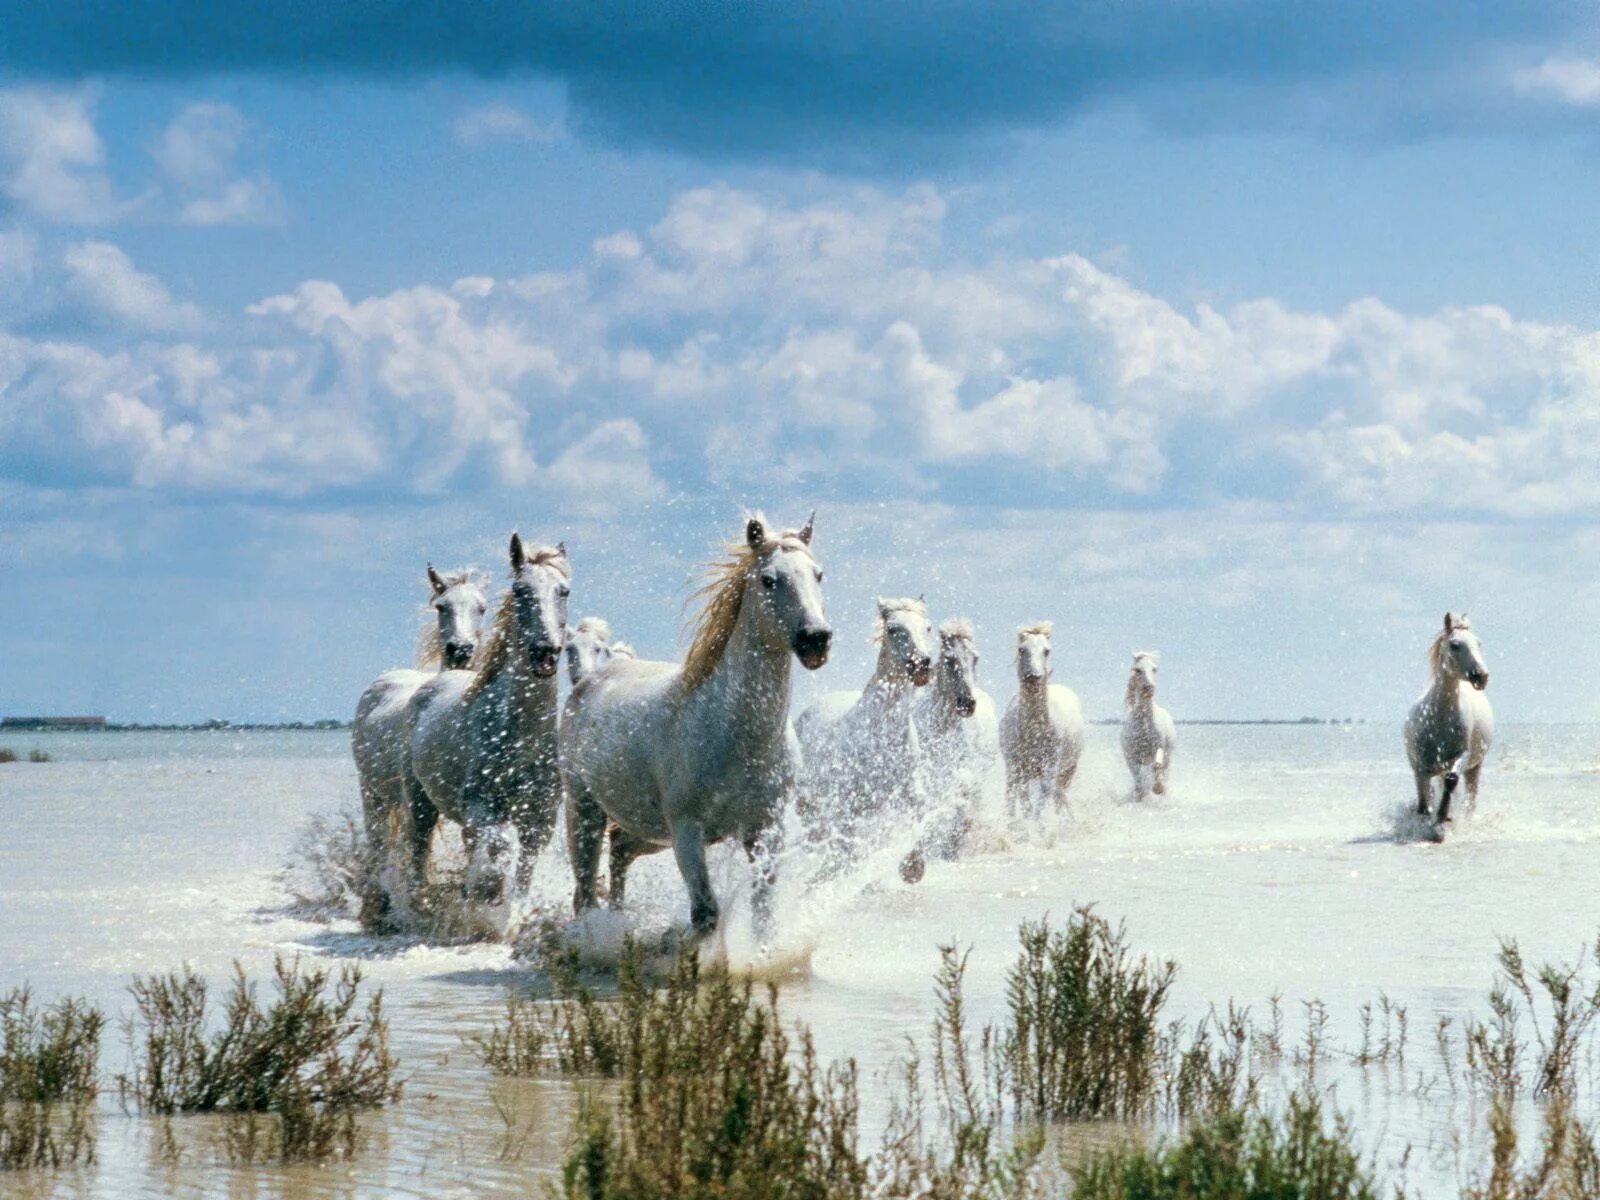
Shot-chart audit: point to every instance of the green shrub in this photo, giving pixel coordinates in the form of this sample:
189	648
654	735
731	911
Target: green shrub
312	1058
48	1081
38	756
1084	1039
1239	1155
7	754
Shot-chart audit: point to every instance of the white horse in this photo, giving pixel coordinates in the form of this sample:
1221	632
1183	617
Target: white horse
1148	735
686	756
456	606
861	751
959	733
481	744
1041	735
1450	727
589	647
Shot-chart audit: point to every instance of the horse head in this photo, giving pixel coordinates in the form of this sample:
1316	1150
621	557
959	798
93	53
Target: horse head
540	584
459	603
1033	653
958	665
1142	676
1458	652
786	582
588	648
906	636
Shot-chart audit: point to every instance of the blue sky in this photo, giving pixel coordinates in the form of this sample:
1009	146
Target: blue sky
1259	334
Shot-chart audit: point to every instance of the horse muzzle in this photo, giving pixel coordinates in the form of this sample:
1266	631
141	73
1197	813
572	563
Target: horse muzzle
545	661
811	647
1479	680
457	655
921	671
967	707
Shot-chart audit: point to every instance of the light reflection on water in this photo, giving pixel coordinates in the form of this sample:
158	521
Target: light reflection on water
1272	867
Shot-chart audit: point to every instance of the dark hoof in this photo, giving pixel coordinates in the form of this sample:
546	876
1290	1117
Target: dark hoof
913	867
1451	780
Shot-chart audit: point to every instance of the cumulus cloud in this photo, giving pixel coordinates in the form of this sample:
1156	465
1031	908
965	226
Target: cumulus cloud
104	281
501	123
198	154
52	161
740	341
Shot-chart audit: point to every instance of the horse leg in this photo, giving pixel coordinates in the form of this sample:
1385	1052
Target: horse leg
1158	776
624	849
536	820
761	848
1424	793
586	827
1452	777
1470	775
689	847
423	819
1063	782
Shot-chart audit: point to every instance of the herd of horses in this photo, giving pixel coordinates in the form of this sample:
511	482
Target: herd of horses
647	756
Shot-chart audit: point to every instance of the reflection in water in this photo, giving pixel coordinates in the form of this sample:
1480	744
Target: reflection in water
1274	864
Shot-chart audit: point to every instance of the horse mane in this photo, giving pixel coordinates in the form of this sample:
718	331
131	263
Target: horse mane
1436	649
623	650
1037	629
1128	697
958	629
595	625
430	651
719	599
904	604
492	654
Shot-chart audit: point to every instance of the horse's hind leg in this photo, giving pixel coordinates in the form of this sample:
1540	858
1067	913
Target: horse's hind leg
586	827
1470	777
624	848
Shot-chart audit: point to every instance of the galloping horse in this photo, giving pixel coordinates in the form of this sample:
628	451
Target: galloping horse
481	744
960	736
456	607
1450	727
862	753
686	756
1148	735
1041	735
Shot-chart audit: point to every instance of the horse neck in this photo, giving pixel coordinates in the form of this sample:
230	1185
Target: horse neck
943	708
530	706
751	680
1142	708
889	691
1445	691
1033	702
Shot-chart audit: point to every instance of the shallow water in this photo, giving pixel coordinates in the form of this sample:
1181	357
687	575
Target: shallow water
1273	866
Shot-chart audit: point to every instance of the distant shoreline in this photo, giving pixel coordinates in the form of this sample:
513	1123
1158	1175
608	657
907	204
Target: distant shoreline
330	725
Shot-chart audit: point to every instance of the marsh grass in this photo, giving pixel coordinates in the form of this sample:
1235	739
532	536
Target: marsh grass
49	1063
291	1074
1236	1155
7	754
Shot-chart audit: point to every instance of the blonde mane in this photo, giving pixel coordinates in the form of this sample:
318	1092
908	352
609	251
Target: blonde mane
1436	650
1037	629
430	651
958	629
595	625
1138	655
905	604
492	654
719	599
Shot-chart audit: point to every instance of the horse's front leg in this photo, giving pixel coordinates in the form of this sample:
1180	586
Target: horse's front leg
586	827
1470	776
535	818
689	848
761	847
1452	778
1424	792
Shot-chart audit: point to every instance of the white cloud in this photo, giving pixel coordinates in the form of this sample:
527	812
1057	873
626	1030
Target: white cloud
1574	81
198	154
749	342
101	278
52	162
501	123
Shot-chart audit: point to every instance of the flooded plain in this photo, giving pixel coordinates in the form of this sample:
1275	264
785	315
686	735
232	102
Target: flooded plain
1278	864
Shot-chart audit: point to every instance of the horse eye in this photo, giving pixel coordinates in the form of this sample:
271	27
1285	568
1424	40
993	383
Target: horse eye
819	576
769	581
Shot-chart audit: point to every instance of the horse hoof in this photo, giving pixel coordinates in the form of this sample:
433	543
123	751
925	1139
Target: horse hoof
913	867
1451	779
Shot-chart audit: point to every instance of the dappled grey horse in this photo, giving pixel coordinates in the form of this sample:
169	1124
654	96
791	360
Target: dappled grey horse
1451	726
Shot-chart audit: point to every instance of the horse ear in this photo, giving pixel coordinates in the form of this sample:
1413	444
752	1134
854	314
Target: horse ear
755	533
436	581
1449	622
805	532
519	556
561	548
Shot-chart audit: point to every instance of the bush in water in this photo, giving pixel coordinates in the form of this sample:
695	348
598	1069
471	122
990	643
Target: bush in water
1237	1155
48	1081
312	1058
